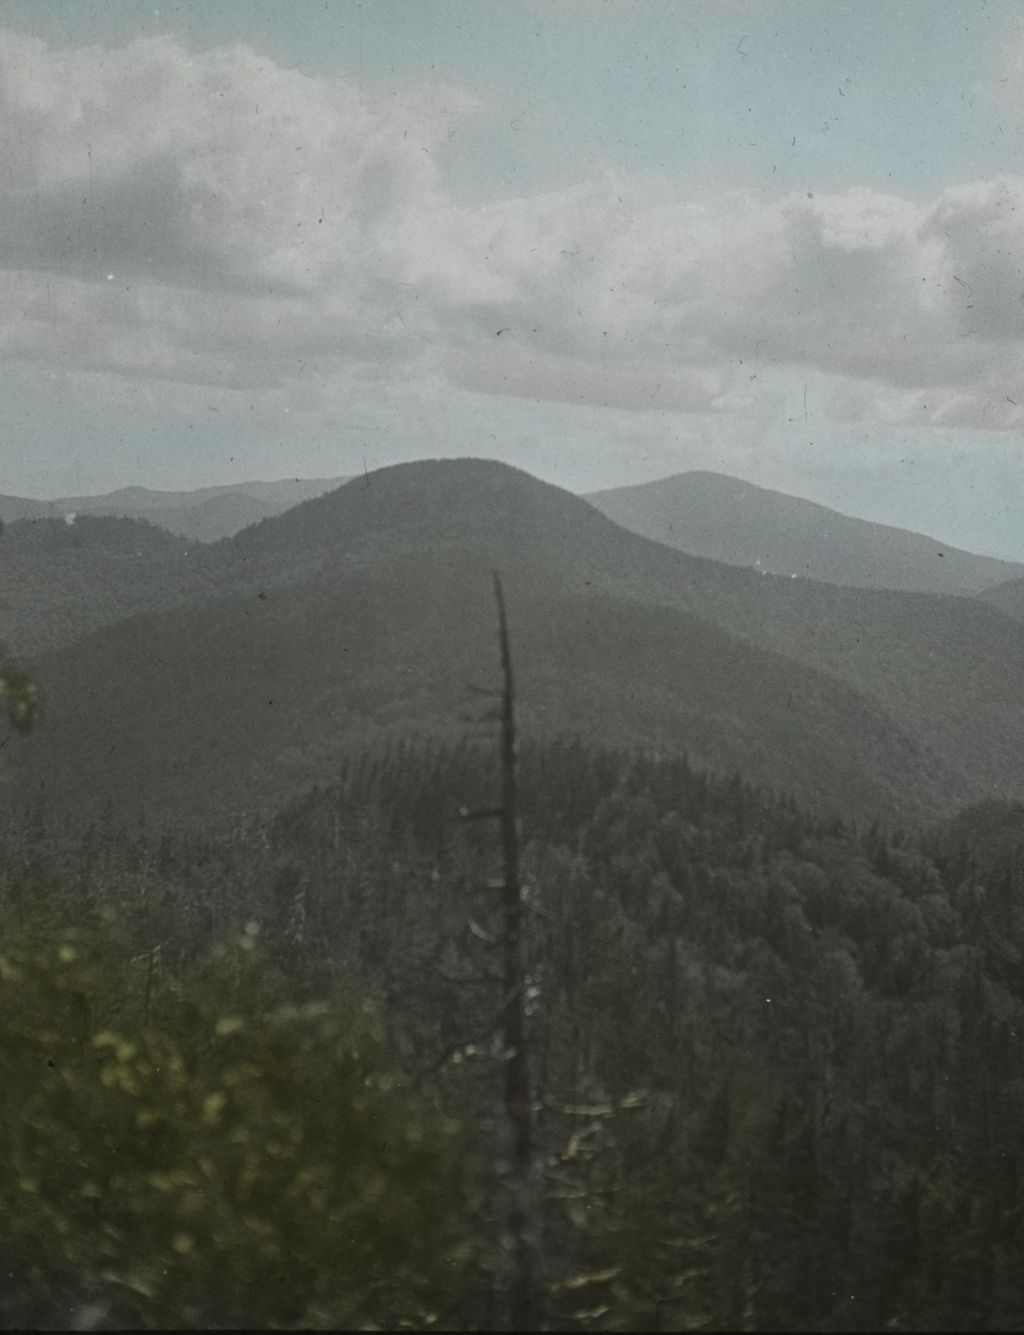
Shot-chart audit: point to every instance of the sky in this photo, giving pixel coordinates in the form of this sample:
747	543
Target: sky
604	240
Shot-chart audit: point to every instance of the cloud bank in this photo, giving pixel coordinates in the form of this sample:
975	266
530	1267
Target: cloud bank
218	219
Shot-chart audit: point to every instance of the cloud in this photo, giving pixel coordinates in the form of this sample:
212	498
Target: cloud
855	284
982	231
631	11
639	386
210	217
217	219
221	168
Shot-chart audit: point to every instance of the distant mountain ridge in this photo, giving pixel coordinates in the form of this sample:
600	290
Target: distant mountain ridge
725	519
701	513
15	508
366	614
203	515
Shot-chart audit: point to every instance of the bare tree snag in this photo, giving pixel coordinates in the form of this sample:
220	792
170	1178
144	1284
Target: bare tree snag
525	1290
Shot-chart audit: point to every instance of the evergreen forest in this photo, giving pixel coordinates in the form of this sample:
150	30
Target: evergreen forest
250	1078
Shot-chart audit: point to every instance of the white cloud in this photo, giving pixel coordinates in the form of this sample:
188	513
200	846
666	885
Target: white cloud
640	386
217	219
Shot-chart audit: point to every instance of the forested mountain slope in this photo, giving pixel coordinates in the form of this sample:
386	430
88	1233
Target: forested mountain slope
369	608
725	519
1008	598
944	667
59	581
230	705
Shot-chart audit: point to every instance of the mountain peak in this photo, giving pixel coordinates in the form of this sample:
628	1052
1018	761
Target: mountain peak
469	499
739	523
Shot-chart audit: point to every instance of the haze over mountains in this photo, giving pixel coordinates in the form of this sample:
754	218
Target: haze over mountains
205	680
203	515
706	514
703	514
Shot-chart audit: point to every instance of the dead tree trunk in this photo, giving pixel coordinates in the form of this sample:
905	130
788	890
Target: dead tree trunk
525	1296
521	1286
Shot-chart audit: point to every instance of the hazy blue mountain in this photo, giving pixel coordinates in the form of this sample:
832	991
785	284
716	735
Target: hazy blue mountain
204	521
204	515
707	514
14	508
367	613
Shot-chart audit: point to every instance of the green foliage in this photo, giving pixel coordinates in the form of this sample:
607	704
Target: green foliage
820	1026
778	1059
18	696
239	1161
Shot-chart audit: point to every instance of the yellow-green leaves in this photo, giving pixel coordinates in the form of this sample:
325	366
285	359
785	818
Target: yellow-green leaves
230	1024
233	1162
213	1105
123	1051
19	696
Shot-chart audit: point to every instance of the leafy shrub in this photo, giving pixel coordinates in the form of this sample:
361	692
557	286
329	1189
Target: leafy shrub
236	1161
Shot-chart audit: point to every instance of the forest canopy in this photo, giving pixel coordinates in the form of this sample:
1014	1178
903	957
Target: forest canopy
779	1083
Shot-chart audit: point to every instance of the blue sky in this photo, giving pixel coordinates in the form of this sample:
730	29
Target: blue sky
274	238
873	91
